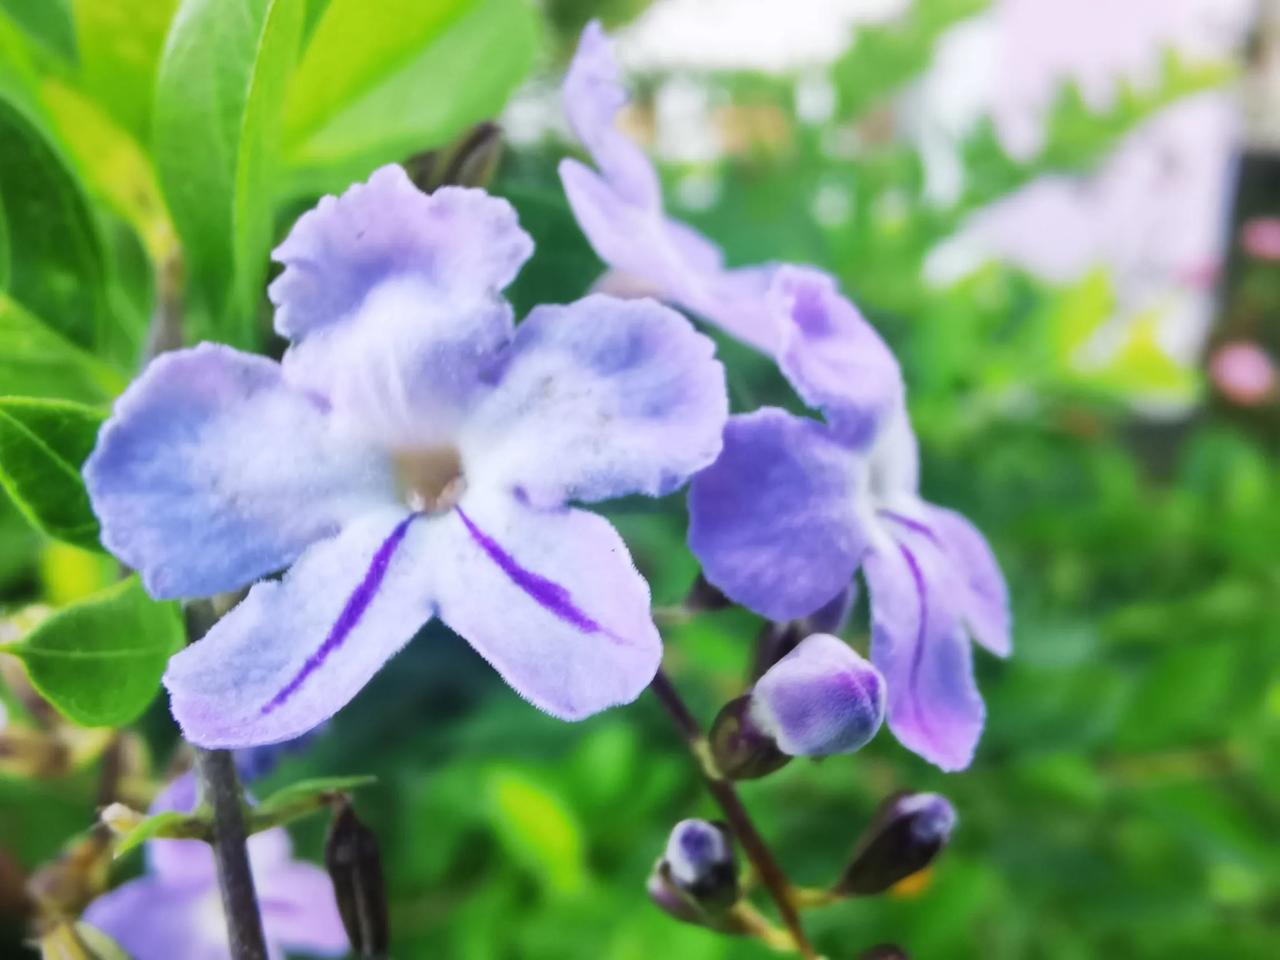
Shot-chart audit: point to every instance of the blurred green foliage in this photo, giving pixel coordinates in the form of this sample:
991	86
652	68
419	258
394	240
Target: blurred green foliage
1125	797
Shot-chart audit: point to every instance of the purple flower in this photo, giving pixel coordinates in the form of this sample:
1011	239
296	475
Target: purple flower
820	699
174	910
619	208
793	507
413	455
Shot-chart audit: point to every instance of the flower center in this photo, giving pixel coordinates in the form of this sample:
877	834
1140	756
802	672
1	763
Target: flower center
431	479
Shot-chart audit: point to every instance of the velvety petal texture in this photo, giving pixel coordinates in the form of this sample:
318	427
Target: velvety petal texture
599	398
296	650
551	599
919	644
773	521
822	698
151	920
212	472
985	597
460	241
835	359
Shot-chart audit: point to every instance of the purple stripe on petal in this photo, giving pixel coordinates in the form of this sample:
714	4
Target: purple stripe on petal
547	593
913	525
351	613
917	655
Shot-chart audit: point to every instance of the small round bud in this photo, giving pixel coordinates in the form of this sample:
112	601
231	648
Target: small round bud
699	862
820	699
741	750
906	834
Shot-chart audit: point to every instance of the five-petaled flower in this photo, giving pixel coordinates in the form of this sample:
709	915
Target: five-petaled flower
175	911
794	507
413	455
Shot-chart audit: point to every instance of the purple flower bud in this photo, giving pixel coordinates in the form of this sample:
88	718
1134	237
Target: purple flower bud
820	699
906	834
699	862
354	862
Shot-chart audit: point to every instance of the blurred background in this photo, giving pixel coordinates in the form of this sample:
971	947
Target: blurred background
1065	217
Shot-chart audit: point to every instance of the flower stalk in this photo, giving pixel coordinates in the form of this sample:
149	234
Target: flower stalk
220	788
768	870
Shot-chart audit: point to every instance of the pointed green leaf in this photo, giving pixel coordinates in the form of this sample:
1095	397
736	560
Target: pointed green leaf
46	21
36	361
168	825
99	662
43	443
56	260
378	83
218	99
120	43
301	798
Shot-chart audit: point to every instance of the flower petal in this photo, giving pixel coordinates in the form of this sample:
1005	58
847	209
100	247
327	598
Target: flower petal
295	651
835	360
599	398
299	910
461	242
620	209
986	596
822	698
773	520
593	95
552	600
393	299
920	646
211	473
152	920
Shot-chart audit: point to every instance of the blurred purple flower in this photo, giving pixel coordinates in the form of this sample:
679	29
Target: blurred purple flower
820	699
619	208
793	507
412	455
174	910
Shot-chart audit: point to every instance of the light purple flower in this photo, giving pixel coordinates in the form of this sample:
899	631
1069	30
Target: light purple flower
820	699
793	507
413	455
174	910
619	208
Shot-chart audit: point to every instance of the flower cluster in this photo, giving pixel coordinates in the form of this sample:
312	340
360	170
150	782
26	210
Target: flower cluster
415	454
794	507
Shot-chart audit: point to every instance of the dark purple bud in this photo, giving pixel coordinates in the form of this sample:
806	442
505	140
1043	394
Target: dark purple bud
905	835
820	699
354	862
741	750
699	862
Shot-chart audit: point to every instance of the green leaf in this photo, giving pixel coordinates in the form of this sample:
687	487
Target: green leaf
36	361
120	43
47	21
379	82
169	825
538	829
42	446
218	99
58	268
99	662
301	798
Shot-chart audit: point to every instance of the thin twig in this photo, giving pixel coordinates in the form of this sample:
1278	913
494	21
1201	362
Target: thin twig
220	788
766	866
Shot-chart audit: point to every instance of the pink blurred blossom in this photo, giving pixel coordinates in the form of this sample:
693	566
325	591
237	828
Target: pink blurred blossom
1260	238
1243	372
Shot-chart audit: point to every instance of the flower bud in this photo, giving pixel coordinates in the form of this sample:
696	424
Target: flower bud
906	834
699	862
820	699
741	750
354	862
